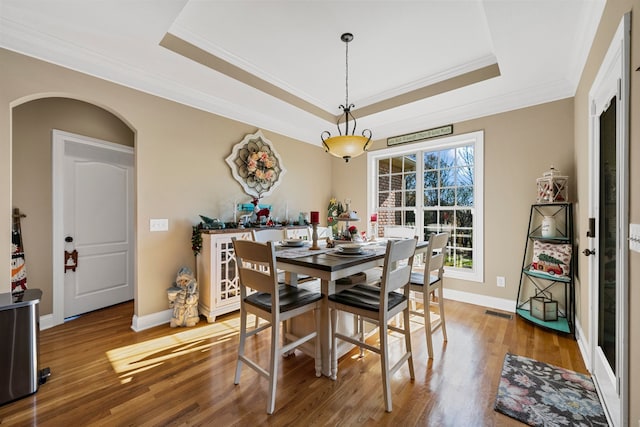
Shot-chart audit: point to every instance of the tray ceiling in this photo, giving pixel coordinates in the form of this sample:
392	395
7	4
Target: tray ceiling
280	65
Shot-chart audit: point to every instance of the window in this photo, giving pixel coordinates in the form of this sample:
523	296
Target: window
434	186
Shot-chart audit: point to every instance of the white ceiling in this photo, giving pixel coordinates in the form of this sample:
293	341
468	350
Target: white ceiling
399	46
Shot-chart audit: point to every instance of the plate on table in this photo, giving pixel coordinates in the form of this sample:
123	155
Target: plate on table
353	254
350	249
293	243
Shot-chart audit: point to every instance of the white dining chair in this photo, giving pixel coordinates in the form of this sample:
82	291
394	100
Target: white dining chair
268	234
399	232
429	282
324	232
378	305
298	233
307	233
262	296
274	235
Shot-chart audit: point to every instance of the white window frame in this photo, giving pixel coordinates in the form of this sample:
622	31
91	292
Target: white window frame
476	274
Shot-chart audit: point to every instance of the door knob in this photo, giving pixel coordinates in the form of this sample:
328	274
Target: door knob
588	252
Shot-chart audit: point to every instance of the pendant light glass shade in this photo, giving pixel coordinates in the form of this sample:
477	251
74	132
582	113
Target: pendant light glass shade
346	145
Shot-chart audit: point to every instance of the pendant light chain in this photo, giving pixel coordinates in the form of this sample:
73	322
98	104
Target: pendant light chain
346	73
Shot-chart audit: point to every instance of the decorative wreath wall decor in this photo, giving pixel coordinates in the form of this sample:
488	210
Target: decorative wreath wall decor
256	165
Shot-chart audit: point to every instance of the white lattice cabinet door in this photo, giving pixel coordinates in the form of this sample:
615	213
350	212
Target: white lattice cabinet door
218	274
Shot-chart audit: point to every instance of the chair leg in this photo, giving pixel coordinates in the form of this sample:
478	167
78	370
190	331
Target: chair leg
360	333
427	322
334	350
243	337
384	365
407	342
273	366
441	308
316	313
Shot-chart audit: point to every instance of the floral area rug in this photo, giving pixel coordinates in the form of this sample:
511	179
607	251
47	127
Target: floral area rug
539	394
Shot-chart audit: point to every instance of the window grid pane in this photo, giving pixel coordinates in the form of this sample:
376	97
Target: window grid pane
448	194
397	185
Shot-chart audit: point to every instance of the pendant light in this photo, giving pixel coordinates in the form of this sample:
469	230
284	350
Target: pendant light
346	145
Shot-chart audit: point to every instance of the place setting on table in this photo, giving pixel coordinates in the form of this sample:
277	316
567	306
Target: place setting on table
297	248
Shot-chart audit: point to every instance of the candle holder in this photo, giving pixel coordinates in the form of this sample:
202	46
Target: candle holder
314	237
374	231
374	226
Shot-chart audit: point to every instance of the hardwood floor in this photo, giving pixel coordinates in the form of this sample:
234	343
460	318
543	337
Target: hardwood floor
103	373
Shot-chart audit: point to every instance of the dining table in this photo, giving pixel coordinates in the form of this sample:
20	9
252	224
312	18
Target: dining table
329	265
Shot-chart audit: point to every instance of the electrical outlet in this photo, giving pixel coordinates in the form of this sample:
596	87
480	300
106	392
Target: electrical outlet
158	225
500	282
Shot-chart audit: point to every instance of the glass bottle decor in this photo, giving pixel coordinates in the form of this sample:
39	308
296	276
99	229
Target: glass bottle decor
548	227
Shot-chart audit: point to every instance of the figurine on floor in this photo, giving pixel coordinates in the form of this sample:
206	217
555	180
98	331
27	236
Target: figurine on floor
185	305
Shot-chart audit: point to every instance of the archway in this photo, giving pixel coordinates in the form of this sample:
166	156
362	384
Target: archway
32	123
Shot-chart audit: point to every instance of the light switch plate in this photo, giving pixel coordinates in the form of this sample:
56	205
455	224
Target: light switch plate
634	237
158	225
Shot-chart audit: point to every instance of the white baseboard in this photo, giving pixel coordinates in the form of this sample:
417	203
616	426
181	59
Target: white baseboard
483	300
140	323
583	345
46	322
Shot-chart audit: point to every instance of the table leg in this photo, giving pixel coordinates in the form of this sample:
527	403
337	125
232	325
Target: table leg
327	287
290	279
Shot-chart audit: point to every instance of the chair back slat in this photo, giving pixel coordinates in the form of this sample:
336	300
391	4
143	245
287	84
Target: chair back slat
269	234
298	233
256	261
398	262
434	260
399	232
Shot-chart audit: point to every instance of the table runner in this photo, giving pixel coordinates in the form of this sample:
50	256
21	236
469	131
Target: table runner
299	252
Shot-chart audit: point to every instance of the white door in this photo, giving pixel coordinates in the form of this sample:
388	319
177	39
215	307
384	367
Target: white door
97	221
608	207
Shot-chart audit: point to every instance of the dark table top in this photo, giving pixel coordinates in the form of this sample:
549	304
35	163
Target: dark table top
330	261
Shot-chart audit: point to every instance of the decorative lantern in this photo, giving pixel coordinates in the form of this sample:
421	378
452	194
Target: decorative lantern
544	308
552	187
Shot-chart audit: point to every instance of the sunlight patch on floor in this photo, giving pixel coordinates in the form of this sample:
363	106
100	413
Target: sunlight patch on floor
133	359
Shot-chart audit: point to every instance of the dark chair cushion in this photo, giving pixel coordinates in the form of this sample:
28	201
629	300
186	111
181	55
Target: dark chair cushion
418	279
291	297
366	297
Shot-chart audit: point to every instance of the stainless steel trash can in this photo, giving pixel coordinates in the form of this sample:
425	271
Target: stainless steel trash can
19	341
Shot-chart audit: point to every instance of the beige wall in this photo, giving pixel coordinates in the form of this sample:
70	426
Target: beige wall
518	147
180	167
612	15
32	125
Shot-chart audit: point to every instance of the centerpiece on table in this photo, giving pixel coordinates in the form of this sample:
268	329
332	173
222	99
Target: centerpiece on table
334	210
348	232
